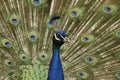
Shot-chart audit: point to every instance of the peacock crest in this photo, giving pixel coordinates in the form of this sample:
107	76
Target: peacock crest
28	29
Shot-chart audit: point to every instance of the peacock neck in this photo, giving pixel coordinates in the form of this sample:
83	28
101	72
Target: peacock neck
55	61
55	70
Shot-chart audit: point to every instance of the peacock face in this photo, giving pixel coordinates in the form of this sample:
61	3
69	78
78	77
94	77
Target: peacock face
60	37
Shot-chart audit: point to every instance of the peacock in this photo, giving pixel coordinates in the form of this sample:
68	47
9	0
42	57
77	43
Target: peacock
59	39
55	68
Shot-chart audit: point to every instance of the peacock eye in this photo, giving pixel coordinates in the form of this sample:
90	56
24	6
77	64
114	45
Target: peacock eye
43	56
14	19
82	75
74	12
36	2
23	57
86	38
109	8
91	60
9	63
32	36
6	43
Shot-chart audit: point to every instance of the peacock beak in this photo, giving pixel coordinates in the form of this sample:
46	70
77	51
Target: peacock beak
66	39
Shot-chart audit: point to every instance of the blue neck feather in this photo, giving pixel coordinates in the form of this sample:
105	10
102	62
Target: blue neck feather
55	70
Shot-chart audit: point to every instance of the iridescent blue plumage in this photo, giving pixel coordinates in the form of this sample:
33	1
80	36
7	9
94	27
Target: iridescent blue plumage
55	70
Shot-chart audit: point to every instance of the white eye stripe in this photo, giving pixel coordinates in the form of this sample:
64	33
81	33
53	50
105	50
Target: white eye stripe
56	37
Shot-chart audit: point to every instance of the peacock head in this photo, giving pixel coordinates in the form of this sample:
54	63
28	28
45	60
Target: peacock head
59	38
